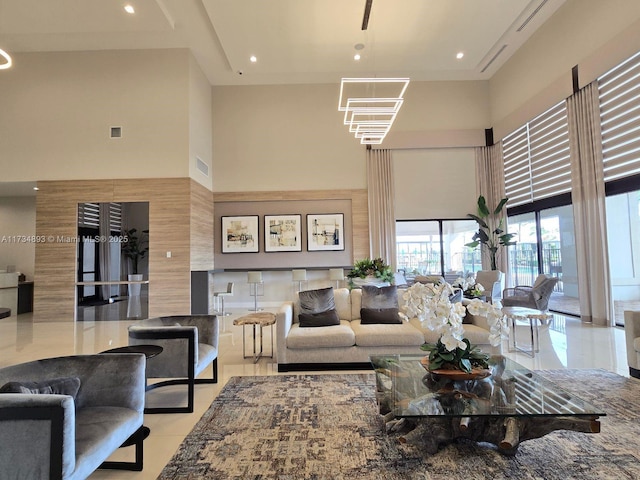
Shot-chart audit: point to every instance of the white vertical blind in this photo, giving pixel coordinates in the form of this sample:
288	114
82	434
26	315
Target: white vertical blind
536	158
619	93
89	215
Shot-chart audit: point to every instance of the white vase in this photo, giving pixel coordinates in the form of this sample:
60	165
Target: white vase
369	280
134	289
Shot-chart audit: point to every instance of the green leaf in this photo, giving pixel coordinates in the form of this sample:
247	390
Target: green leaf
472	244
465	365
447	356
500	205
480	221
483	211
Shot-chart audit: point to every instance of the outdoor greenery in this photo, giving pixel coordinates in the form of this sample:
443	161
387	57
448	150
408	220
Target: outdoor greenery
490	230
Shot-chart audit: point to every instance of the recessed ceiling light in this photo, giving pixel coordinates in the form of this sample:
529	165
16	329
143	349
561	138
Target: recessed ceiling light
253	59
129	9
358	46
459	55
356	56
36	188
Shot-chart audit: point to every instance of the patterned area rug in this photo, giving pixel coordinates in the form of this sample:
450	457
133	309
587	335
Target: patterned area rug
327	427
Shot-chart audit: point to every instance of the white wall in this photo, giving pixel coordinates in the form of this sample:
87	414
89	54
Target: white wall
18	218
434	183
200	129
539	74
285	137
57	110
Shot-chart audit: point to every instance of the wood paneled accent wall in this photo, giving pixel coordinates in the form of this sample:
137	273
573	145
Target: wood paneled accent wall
201	227
179	216
359	208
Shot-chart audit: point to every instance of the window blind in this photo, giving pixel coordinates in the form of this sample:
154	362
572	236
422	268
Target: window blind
89	216
536	158
619	94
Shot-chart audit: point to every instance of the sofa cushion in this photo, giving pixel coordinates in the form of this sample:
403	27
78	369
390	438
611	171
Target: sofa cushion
369	316
321	337
55	386
316	301
321	319
386	334
379	297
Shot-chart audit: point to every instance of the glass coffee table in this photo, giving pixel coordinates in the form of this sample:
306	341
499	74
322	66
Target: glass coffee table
505	408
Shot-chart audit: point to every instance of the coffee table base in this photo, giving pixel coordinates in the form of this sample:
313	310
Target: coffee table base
505	433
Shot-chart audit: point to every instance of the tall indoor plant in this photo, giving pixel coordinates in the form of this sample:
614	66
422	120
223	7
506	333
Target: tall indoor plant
490	230
134	247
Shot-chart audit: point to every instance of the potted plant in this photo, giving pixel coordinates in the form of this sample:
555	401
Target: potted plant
369	271
134	247
490	230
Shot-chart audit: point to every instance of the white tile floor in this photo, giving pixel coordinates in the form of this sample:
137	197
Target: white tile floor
566	343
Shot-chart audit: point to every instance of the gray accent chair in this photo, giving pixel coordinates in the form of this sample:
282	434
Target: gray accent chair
632	337
190	344
491	280
536	296
55	436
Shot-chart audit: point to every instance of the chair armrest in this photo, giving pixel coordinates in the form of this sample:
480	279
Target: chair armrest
631	332
284	322
179	348
518	290
37	434
207	325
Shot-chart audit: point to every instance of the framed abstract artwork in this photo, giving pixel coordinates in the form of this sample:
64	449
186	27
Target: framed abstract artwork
240	234
282	233
325	232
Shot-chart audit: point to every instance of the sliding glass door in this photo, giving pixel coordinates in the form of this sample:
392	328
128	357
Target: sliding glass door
436	247
546	244
623	237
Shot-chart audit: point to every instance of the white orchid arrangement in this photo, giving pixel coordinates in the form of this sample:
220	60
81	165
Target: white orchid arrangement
469	286
431	305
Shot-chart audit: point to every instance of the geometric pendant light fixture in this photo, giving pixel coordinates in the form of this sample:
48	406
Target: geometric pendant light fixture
370	106
5	60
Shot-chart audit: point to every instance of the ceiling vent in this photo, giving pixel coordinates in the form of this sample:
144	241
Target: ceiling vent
202	167
116	132
493	59
530	17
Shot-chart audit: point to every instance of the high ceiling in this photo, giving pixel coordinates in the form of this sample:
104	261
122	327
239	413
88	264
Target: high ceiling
295	41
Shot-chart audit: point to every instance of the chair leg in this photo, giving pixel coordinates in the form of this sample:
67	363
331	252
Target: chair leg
136	439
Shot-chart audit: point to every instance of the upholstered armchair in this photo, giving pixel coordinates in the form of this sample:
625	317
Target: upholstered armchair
632	336
491	280
190	344
61	418
536	296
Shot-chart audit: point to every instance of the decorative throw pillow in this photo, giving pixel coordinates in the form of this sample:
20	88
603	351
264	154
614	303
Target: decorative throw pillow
56	386
317	301
322	319
379	297
370	316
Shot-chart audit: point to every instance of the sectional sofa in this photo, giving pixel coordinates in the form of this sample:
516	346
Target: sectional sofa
349	344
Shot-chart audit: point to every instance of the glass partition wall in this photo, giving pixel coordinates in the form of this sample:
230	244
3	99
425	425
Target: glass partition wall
112	261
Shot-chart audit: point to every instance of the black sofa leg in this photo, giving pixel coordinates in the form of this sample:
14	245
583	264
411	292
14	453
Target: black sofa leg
136	439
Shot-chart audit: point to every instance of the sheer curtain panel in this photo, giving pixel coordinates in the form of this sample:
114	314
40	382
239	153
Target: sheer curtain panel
588	198
490	184
382	219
